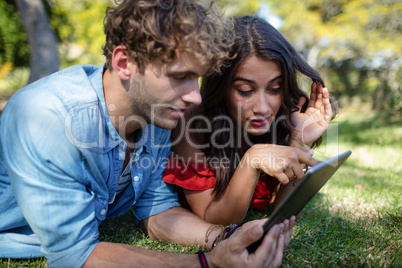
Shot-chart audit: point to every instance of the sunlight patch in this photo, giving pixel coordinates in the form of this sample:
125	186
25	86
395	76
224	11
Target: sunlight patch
356	209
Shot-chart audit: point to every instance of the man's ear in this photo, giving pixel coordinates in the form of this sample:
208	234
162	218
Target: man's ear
121	62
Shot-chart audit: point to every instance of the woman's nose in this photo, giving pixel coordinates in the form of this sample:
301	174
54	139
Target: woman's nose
260	105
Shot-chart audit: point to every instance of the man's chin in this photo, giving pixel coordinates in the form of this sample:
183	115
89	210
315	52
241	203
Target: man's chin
166	124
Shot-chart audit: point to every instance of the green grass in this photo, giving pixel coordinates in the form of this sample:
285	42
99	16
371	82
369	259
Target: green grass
355	220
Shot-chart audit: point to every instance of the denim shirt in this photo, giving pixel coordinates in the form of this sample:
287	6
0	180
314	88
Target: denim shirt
60	164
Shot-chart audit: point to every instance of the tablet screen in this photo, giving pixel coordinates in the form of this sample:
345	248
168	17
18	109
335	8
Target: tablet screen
303	192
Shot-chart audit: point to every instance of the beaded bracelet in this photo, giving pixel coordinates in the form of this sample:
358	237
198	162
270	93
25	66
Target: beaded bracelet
203	259
230	230
211	229
226	233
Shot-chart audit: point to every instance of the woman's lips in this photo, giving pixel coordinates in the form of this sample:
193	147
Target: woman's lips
259	122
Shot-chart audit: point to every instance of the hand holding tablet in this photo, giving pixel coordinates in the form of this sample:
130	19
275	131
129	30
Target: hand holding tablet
304	191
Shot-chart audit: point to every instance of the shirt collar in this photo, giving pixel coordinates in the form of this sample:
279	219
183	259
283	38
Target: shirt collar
96	79
143	139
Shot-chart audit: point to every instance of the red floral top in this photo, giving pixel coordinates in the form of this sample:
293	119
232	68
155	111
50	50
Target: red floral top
200	177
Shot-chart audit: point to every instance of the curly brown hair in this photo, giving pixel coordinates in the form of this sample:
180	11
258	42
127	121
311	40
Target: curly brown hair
156	29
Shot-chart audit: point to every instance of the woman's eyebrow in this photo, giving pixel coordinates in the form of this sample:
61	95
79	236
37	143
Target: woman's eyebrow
253	82
244	79
276	78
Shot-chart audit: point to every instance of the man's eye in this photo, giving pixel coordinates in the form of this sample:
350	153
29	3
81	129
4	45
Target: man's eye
180	77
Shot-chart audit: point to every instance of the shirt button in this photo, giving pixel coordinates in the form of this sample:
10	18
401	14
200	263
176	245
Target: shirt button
103	211
136	178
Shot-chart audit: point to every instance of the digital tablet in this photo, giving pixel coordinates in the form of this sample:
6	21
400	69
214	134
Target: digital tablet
303	192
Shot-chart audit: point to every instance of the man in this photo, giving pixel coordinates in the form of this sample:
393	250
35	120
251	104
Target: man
90	142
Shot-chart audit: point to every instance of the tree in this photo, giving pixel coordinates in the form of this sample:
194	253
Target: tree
233	8
14	50
44	58
357	43
79	26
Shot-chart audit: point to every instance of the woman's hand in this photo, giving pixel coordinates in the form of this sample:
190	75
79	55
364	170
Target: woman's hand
282	162
311	124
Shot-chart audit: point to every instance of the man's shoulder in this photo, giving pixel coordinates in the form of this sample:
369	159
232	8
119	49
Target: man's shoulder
58	92
66	84
67	97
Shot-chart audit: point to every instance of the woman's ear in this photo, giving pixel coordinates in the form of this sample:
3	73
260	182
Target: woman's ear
121	62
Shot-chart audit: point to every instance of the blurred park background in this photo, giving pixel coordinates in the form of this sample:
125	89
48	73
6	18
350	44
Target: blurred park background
355	44
356	220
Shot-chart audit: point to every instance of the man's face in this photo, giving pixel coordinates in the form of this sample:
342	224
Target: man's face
161	95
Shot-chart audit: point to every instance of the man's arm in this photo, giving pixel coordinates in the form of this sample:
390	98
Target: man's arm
180	224
121	255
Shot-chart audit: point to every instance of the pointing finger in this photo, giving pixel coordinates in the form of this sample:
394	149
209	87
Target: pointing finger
305	158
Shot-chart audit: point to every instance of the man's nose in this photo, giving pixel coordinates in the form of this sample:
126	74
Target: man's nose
193	95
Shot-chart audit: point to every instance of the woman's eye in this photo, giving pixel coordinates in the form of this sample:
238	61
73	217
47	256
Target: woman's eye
274	90
245	92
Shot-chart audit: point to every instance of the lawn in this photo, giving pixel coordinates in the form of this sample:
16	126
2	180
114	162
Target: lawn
354	221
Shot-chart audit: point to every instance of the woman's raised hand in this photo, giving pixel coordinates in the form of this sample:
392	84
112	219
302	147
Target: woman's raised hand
311	124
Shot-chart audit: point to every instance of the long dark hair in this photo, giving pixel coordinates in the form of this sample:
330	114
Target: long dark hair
254	36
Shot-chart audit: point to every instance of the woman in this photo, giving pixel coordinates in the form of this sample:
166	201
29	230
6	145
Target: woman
253	132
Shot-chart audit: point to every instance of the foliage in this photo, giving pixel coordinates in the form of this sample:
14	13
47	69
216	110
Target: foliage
233	8
364	30
356	43
79	25
16	79
14	48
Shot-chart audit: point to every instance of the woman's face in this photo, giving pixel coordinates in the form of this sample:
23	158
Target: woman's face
255	95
